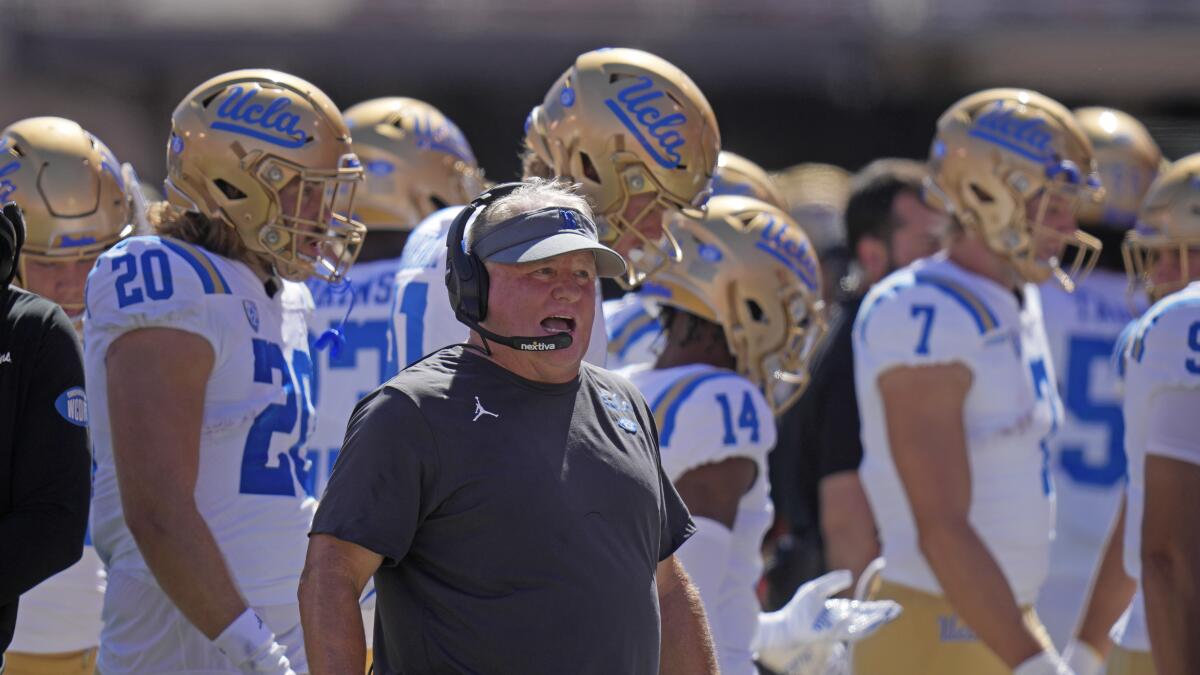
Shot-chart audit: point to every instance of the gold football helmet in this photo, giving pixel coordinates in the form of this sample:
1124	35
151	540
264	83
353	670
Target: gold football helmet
70	188
416	162
749	267
997	150
1168	224
737	175
242	142
1129	160
623	123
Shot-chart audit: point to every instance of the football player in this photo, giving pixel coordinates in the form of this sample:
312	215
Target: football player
957	393
1157	358
1087	453
416	162
742	315
76	204
642	141
632	328
196	349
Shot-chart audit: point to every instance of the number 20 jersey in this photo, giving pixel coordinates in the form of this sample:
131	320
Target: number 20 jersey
935	313
257	405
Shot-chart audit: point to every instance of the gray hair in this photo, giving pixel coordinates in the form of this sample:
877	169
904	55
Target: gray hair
536	193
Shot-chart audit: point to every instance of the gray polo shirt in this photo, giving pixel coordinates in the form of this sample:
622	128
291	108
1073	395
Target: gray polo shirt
520	523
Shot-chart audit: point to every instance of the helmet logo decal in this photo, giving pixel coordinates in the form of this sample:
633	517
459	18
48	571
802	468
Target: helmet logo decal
795	255
6	186
650	120
444	137
273	118
722	186
1028	138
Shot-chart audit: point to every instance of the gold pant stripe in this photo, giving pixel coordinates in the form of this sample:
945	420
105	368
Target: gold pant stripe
929	638
1123	662
82	662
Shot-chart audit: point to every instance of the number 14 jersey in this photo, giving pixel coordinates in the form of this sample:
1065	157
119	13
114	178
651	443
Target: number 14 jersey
257	405
933	312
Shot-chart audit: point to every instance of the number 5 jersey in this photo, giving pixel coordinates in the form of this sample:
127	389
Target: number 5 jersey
936	313
257	405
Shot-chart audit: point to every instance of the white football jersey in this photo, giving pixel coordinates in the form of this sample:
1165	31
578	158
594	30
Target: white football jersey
632	332
258	410
422	319
1087	452
934	312
361	363
1160	353
705	415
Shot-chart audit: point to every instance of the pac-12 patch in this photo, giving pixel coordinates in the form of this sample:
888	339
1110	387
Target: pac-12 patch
72	405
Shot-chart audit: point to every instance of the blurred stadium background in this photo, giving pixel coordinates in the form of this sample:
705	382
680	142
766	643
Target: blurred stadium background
838	81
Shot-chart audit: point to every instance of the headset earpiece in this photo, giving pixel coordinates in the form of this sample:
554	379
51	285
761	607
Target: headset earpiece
466	275
12	237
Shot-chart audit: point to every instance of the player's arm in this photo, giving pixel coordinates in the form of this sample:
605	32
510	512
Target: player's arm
335	573
711	493
687	646
156	384
1112	590
847	524
51	469
1170	543
929	448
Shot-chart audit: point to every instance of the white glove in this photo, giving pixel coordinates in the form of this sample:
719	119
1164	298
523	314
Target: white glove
1045	663
251	646
1081	658
787	637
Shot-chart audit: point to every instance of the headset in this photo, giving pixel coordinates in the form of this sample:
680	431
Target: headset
12	237
467	279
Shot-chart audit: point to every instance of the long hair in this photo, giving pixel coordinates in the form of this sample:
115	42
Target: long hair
213	236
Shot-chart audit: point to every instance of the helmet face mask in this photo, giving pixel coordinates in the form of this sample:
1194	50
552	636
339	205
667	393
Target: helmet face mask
623	122
239	140
76	203
1167	232
750	269
1001	160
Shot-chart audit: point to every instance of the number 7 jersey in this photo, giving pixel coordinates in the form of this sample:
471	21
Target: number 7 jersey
933	312
257	405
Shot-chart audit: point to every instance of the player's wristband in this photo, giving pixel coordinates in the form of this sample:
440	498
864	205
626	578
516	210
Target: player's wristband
246	639
1082	659
1045	663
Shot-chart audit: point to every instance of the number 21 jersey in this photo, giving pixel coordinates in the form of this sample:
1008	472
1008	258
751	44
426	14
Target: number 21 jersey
257	405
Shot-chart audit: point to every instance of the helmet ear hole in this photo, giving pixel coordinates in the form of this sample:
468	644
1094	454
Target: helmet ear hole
437	203
981	195
755	310
589	169
228	189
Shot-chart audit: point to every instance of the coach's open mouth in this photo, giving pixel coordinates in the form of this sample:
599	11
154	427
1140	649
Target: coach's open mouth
559	323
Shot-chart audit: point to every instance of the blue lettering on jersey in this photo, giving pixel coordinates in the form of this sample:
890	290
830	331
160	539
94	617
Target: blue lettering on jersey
1193	365
273	123
156	283
635	102
72	406
261	473
1028	138
795	255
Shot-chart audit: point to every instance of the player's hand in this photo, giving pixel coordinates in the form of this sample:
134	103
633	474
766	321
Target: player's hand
1082	659
785	639
251	646
1044	663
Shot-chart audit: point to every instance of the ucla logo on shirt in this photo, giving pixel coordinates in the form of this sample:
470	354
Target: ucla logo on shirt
72	406
272	123
1029	138
795	254
251	310
636	107
619	409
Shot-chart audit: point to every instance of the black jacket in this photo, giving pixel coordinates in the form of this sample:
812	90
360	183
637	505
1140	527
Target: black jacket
45	462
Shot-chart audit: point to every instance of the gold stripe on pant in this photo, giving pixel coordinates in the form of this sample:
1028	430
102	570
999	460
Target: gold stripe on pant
1124	662
929	638
82	662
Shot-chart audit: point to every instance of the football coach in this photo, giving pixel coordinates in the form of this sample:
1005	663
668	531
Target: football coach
507	497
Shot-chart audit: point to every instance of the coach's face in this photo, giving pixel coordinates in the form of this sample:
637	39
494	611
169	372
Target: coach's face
545	297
